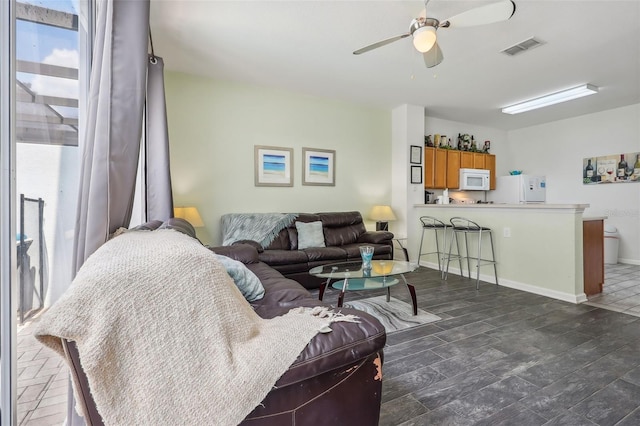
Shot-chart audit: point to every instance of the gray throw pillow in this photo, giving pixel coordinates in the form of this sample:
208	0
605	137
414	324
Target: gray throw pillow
310	235
246	281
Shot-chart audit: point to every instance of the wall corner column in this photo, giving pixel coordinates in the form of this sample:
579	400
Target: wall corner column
407	128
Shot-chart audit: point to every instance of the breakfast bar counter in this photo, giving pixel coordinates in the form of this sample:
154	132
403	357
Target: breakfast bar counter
538	247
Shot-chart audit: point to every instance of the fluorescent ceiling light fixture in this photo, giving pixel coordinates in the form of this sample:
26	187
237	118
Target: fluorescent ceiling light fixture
552	99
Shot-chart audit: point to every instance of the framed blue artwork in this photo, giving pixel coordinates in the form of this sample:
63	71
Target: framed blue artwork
273	166
319	167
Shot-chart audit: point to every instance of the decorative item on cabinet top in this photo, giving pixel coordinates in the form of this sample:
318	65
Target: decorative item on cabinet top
464	142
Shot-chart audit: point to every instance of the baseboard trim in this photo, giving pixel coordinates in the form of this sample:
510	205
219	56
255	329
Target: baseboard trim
629	261
558	295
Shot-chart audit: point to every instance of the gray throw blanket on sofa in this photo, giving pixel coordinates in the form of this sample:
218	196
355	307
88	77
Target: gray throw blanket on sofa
260	227
166	338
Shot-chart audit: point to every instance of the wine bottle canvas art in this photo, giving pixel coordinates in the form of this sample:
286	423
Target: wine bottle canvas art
617	168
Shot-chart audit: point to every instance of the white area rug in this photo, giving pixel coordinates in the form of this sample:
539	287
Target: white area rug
395	314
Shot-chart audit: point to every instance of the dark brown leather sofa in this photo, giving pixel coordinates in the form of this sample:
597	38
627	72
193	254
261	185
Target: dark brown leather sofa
344	233
336	380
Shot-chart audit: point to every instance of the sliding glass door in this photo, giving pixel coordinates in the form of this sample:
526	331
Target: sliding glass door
8	263
45	67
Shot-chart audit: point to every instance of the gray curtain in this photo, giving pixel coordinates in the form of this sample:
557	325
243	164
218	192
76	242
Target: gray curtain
111	144
114	123
158	196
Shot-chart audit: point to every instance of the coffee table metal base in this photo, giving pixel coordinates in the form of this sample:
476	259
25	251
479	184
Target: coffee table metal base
343	285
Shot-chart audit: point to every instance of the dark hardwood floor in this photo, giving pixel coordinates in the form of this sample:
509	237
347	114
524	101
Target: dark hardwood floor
505	357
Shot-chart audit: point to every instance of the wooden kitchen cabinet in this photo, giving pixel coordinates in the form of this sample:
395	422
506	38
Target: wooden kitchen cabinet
442	167
593	255
453	169
435	168
466	160
478	160
490	164
429	165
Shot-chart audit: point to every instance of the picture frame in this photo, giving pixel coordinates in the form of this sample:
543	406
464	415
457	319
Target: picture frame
416	174
319	167
273	166
415	154
615	168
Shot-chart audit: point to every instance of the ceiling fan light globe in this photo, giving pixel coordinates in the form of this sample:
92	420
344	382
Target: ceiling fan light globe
424	38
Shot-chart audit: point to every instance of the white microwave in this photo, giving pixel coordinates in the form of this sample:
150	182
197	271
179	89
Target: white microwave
474	180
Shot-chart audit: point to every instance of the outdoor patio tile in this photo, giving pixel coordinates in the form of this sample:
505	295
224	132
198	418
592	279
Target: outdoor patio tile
55	419
53	400
32	363
28	355
60	383
31	393
60	390
45	411
23	383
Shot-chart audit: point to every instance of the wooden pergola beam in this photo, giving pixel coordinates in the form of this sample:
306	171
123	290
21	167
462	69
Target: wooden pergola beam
42	15
46	69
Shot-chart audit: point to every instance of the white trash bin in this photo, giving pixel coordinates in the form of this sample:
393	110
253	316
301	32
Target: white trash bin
611	243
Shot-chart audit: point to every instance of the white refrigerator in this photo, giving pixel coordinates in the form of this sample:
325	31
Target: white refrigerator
519	189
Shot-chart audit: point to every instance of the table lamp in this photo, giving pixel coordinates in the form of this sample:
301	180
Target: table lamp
190	214
382	215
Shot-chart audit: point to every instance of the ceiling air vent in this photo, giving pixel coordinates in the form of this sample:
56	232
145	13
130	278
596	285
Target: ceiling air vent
523	46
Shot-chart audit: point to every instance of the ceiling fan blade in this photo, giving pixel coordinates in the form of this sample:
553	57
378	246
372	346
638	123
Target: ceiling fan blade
494	12
380	44
433	56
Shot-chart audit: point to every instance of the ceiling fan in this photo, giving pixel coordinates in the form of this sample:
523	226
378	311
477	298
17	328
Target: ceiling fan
423	29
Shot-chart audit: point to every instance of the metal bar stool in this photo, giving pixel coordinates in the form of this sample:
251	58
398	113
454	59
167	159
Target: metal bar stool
430	223
466	227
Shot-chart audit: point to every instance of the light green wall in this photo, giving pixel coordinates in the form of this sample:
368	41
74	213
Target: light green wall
214	126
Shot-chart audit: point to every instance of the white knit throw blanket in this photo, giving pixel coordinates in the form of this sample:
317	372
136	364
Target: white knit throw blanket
166	338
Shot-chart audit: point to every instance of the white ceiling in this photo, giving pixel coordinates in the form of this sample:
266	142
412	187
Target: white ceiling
306	47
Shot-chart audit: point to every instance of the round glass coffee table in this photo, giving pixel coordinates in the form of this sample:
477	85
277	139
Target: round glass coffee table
351	276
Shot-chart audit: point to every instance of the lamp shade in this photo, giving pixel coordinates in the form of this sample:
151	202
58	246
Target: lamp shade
424	38
190	214
382	214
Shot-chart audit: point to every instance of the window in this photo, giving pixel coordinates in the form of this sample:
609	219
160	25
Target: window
47	87
52	56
